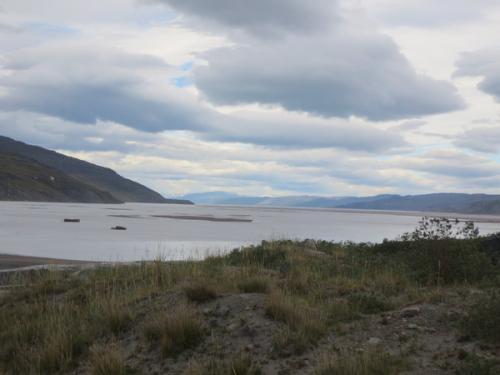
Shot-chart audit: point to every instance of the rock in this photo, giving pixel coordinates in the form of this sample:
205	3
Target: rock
410	312
71	220
118	227
374	341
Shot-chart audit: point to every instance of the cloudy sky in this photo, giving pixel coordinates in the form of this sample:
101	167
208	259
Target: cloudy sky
262	97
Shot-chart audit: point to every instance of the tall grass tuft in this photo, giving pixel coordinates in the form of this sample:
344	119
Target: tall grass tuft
175	331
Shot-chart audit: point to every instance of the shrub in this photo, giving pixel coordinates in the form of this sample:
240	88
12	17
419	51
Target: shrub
442	228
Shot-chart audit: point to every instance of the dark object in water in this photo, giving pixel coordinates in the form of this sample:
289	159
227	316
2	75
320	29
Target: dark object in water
71	220
118	227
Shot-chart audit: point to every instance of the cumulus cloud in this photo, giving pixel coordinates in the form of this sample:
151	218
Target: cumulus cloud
347	69
85	84
345	73
92	85
481	138
282	129
485	64
260	17
453	163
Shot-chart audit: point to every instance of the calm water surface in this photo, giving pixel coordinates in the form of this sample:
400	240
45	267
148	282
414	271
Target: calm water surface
38	229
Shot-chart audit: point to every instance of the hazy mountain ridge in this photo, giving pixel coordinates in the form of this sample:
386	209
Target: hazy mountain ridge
439	202
100	178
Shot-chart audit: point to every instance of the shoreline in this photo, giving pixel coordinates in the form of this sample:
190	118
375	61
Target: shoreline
12	262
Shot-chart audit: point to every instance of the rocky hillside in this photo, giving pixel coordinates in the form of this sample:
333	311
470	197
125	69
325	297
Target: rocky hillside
100	178
23	179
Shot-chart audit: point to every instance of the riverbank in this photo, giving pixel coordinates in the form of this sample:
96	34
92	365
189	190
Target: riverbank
282	307
12	262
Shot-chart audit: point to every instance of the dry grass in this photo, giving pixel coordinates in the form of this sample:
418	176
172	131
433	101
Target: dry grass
106	360
200	292
371	362
176	330
303	324
255	284
238	365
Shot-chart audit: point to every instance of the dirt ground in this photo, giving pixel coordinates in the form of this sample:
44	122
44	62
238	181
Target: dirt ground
424	334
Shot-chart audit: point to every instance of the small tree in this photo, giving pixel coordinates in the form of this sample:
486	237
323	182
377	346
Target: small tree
442	228
442	250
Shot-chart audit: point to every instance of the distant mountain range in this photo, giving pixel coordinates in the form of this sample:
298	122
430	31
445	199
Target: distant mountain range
442	202
33	173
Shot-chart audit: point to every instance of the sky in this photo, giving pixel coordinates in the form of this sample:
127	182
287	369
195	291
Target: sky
262	97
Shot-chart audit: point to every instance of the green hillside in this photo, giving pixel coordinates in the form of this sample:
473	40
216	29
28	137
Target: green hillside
24	179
